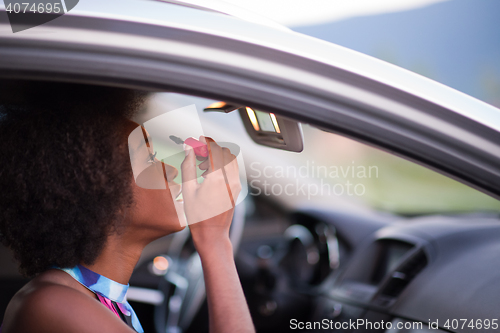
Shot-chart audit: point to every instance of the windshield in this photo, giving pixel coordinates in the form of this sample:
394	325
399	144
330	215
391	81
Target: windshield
331	171
391	183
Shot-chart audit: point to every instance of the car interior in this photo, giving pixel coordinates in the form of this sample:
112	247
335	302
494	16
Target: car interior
326	228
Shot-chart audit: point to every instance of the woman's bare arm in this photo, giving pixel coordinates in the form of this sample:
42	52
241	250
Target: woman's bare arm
228	310
52	307
227	307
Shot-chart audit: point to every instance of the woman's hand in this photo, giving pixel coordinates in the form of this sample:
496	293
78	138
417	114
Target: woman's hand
209	206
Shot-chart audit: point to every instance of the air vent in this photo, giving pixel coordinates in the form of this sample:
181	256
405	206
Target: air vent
402	276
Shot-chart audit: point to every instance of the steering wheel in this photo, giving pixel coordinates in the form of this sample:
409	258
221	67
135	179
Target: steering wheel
183	285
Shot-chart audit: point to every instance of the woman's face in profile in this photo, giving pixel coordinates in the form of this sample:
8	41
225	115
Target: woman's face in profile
155	192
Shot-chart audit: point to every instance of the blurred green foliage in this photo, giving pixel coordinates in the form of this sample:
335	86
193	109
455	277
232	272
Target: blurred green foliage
402	186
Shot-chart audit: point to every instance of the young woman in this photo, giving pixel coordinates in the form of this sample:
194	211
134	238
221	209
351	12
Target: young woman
77	221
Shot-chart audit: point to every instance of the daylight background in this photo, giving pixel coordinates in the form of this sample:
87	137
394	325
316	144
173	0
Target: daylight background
455	42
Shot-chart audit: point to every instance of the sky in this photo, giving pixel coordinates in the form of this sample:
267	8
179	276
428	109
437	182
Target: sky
308	12
454	42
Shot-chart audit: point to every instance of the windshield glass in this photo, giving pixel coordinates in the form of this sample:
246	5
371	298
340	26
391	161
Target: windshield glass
390	183
331	171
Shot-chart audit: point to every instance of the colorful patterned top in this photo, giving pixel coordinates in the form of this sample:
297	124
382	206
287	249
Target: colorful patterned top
110	293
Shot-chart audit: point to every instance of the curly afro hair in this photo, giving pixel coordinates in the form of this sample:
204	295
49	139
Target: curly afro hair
65	173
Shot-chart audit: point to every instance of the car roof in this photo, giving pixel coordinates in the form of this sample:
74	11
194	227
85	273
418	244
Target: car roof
204	16
224	19
227	9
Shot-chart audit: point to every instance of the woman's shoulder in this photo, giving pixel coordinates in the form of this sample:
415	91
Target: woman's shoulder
54	302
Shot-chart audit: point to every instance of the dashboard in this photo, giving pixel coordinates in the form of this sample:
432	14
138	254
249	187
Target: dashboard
318	270
366	271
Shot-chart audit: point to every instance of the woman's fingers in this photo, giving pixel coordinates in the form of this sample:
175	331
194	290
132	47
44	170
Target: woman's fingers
228	156
188	168
218	192
216	159
204	165
220	158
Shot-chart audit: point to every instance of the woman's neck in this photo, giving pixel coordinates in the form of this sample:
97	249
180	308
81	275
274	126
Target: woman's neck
118	258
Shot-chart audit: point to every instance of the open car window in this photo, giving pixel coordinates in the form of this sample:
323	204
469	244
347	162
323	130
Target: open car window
332	170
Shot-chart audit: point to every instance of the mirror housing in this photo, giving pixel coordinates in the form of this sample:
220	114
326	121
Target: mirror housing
271	130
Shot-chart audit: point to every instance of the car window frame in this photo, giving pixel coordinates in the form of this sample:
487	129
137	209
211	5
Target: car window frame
100	50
